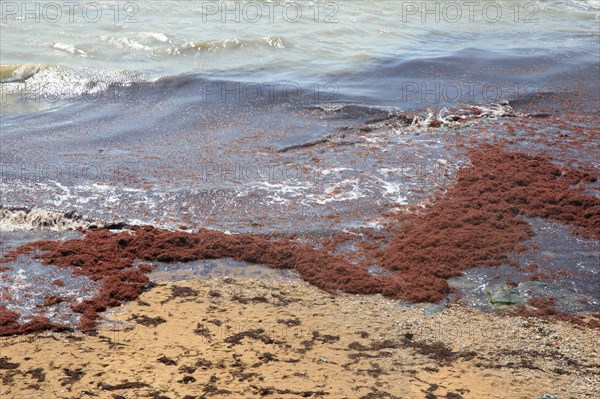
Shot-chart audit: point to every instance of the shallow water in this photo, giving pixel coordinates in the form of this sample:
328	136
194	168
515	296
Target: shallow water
288	37
208	269
570	263
54	54
24	288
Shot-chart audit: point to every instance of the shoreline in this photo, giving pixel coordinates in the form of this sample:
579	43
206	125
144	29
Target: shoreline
478	222
248	338
339	201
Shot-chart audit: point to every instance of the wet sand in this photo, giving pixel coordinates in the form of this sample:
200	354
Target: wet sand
234	338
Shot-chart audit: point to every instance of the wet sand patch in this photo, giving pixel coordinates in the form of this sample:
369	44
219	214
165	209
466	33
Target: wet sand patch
404	354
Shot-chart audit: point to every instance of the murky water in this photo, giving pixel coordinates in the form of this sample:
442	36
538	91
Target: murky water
568	266
207	269
27	285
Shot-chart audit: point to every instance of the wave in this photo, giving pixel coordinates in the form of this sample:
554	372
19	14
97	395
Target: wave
468	76
146	41
221	45
588	5
18	219
36	80
160	45
18	73
70	49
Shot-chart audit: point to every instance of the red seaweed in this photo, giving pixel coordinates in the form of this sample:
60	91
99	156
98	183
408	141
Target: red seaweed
478	222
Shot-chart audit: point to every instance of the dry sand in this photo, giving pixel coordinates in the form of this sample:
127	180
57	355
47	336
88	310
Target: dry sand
242	338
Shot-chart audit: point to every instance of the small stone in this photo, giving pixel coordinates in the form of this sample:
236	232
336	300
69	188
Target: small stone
503	297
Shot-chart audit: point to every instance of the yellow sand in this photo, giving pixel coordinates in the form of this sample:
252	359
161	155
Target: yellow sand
311	345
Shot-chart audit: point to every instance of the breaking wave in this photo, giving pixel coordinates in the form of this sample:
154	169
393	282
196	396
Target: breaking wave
29	219
33	80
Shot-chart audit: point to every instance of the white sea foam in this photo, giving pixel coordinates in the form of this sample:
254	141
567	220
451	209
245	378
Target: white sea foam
41	219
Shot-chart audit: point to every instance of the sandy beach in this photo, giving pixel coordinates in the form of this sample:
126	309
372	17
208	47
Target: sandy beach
313	199
242	338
